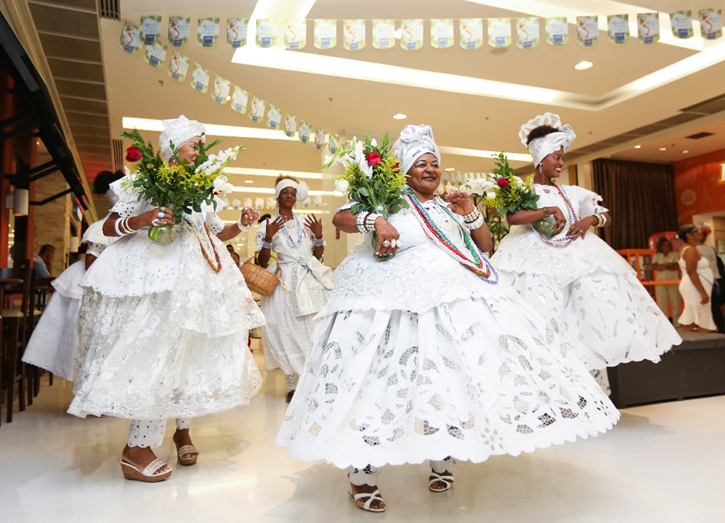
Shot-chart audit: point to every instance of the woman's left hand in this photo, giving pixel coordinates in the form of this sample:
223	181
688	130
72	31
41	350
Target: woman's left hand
581	227
460	202
315	225
249	216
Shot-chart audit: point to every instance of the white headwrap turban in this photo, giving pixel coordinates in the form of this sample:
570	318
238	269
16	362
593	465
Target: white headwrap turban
542	147
178	131
302	190
414	142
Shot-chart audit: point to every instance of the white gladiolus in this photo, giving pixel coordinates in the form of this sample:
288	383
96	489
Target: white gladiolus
341	185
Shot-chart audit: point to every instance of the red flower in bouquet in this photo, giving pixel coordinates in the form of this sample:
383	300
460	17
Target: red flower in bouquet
373	159
133	154
503	183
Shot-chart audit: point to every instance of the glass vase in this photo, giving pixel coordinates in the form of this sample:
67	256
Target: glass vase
162	234
374	241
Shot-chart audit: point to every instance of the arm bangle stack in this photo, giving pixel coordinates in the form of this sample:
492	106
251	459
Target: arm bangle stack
601	220
122	227
473	220
370	221
360	221
266	245
242	227
319	242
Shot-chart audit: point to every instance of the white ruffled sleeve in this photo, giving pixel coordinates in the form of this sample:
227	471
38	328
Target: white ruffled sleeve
129	202
589	202
261	233
215	224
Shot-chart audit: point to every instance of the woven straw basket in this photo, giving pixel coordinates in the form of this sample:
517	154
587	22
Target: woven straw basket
259	280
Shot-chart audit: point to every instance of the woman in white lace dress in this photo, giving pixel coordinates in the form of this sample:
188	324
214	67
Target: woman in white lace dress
55	339
583	287
306	283
425	356
163	328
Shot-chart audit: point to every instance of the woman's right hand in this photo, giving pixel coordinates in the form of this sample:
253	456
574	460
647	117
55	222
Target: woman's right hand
151	218
386	232
704	298
559	220
273	227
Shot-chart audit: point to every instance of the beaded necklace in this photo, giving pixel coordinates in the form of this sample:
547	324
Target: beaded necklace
479	264
300	233
218	266
566	240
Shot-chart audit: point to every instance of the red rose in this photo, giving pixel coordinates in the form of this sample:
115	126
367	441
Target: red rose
503	183
396	166
133	154
374	158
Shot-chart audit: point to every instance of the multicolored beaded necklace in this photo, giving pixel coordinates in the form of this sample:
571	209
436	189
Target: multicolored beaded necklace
479	264
566	240
300	233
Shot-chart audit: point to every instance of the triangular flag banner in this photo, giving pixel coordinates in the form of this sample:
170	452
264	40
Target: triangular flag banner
266	33
648	28
179	30
557	31
220	92
178	67
618	28
290	125
155	55
587	30
353	34
237	32
256	110
295	34
200	79
130	40
411	34
499	32
441	33
681	24
150	29
305	131
471	33
383	34
325	34
711	23
274	117
240	98
208	32
527	32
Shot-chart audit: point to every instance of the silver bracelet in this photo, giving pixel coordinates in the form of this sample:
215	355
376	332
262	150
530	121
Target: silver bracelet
266	245
242	227
370	221
360	221
475	224
472	216
319	242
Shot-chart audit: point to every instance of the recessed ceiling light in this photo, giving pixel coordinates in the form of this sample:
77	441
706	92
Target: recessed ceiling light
685	151
450	169
400	116
248	181
637	146
584	64
663	148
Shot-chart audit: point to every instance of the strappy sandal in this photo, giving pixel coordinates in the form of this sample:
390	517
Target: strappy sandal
364	500
446	479
147	475
187	449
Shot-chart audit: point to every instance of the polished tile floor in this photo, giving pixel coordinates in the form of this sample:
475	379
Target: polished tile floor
662	463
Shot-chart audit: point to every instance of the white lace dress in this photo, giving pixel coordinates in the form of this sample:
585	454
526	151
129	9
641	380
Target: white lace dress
417	358
162	335
290	312
54	341
586	290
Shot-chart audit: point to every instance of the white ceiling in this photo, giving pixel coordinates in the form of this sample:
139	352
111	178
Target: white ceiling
351	106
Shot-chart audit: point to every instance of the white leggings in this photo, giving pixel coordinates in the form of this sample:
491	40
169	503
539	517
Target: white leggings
145	433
